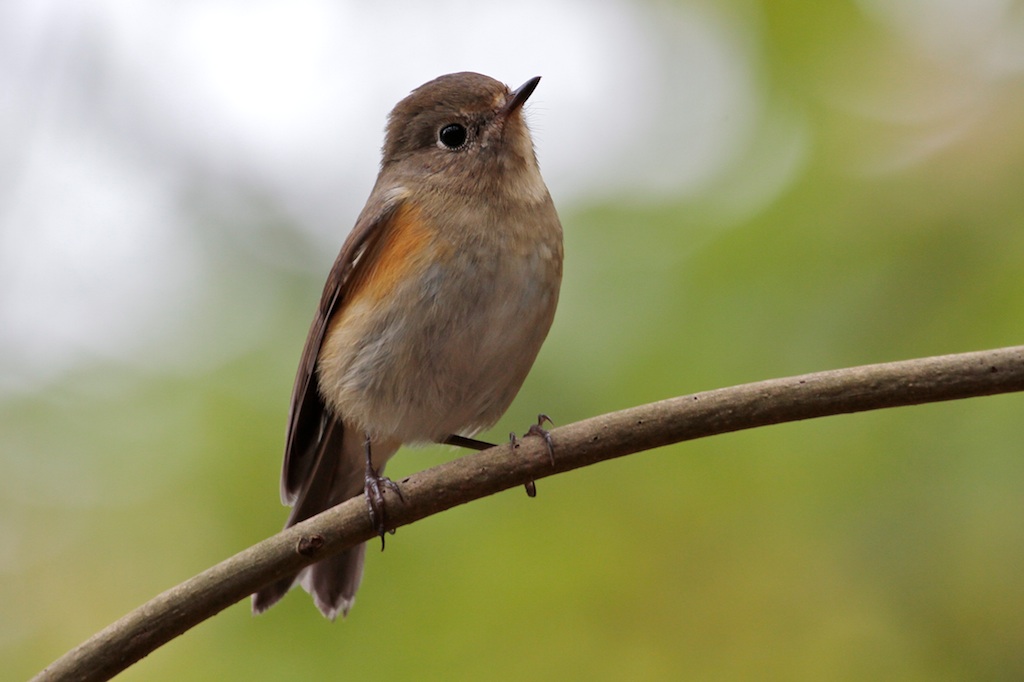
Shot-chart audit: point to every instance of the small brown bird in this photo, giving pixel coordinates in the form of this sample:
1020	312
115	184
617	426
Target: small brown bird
432	314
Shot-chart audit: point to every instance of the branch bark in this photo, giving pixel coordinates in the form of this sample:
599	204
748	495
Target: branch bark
869	387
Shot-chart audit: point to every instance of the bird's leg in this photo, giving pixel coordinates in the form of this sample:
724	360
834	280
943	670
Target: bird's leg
374	486
474	444
463	442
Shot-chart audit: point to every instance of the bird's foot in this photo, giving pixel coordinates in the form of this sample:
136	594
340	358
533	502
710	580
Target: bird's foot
537	430
375	487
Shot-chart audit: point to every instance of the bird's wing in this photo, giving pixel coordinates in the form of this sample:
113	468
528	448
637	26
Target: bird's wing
308	415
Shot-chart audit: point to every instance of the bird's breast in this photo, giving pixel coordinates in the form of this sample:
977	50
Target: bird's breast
444	324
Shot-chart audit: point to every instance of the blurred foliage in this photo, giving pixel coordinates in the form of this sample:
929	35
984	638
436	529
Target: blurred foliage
874	546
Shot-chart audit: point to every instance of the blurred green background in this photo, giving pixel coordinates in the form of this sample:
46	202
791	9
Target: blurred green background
886	545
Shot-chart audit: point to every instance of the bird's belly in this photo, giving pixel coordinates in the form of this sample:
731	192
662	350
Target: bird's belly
449	360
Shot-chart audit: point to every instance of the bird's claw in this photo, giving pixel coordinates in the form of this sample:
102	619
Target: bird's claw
537	430
375	487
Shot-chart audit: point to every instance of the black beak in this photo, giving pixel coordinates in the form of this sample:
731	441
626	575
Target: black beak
520	95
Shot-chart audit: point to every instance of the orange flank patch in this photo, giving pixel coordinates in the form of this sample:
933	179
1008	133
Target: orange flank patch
396	253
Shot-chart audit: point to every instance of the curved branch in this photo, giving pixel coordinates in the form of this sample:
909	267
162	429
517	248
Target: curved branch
869	387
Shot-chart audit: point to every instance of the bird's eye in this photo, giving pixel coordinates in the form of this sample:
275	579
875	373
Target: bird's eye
452	135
